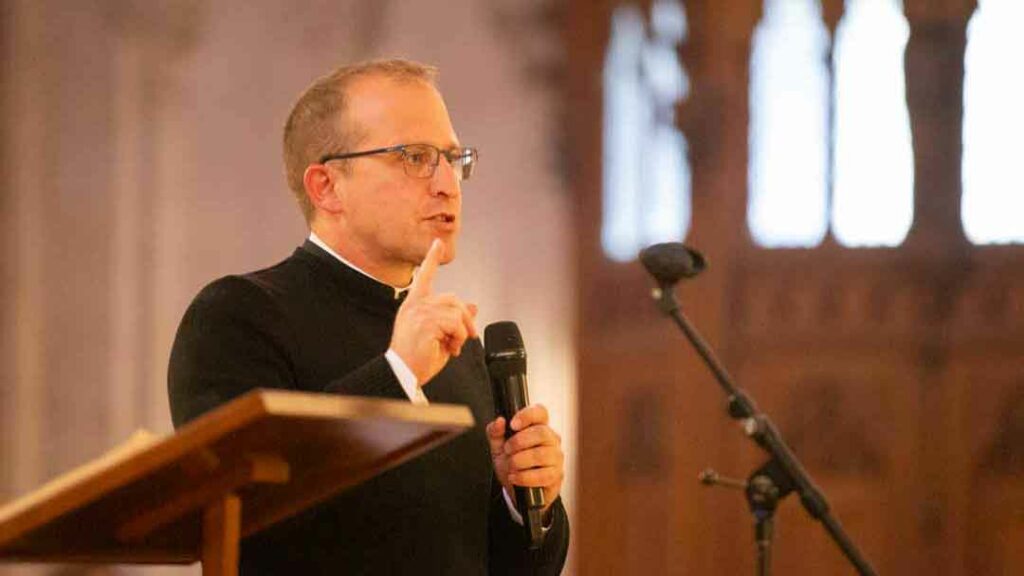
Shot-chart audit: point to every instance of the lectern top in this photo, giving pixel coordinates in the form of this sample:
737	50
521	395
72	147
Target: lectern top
280	451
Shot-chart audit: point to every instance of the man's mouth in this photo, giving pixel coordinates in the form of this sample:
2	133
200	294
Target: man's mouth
444	218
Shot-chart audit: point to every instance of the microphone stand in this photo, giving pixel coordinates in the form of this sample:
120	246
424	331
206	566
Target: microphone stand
781	474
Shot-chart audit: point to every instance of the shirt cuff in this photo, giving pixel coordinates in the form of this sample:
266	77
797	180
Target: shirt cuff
512	507
406	378
515	513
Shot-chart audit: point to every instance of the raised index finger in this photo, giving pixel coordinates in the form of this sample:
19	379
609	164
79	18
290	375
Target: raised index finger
423	283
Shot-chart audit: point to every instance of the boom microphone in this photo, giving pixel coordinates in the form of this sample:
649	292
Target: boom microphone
506	364
670	262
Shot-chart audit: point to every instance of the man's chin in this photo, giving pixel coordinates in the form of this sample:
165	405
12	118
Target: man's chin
450	250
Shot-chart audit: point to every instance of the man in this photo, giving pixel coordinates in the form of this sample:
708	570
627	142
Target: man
377	168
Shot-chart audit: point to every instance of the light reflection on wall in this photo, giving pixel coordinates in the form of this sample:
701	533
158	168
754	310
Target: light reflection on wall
646	197
873	186
993	183
789	86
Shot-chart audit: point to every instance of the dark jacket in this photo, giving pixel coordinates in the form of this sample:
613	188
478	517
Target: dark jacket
313	324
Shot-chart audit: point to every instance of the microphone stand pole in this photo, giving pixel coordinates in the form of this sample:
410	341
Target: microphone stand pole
782	473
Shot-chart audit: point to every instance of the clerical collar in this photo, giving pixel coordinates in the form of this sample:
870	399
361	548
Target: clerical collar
323	246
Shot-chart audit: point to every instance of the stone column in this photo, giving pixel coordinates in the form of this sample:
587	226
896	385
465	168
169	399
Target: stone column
935	74
151	170
26	152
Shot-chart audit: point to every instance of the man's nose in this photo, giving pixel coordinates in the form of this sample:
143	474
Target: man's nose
445	181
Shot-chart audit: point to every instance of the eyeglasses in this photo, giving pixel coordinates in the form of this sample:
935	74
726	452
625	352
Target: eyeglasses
421	160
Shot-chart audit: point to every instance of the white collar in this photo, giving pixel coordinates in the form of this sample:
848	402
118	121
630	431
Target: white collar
316	240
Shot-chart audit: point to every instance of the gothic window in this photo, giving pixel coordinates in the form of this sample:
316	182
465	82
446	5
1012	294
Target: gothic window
873	186
646	195
865	190
789	87
992	205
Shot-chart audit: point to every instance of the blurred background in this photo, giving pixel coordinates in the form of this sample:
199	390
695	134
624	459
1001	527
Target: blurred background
850	169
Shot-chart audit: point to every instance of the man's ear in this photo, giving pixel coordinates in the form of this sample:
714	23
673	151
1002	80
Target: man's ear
319	182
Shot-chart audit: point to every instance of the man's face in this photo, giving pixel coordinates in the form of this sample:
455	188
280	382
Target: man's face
390	218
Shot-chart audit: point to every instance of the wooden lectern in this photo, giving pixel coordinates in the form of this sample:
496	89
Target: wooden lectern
230	473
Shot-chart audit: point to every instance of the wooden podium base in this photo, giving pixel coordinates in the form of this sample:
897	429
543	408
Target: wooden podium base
222	529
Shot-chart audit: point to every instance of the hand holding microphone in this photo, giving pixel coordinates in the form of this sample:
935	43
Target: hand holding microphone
526	452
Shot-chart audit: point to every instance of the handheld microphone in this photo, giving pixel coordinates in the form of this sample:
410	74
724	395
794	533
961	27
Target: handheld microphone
506	364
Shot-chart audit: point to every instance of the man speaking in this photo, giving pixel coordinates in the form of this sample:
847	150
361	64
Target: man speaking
377	169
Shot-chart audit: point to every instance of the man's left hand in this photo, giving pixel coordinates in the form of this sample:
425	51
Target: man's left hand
532	457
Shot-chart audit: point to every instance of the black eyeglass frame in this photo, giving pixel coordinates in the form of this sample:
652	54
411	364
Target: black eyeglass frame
452	155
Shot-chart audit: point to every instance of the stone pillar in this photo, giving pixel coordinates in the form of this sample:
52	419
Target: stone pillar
88	192
151	146
935	75
26	151
715	116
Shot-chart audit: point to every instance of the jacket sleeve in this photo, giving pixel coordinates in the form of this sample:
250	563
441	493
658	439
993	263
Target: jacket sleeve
509	551
232	339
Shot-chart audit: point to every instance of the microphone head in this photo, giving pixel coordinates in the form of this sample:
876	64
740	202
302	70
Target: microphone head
669	262
504	343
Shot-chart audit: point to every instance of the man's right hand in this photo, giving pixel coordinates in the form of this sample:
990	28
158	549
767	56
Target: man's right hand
431	328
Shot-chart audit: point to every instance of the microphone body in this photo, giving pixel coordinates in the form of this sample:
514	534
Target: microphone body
506	365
